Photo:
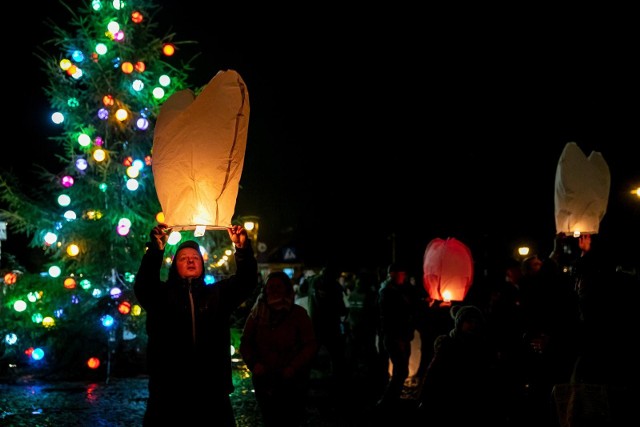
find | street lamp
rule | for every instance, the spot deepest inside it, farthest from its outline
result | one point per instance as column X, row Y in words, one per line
column 252, row 225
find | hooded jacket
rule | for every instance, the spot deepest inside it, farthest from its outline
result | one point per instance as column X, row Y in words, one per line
column 188, row 328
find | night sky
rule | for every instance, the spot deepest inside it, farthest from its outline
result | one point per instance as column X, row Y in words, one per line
column 365, row 126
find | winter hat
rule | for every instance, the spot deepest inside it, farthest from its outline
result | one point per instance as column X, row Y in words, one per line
column 278, row 290
column 463, row 313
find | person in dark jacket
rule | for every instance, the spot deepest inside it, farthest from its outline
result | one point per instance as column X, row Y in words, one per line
column 398, row 305
column 278, row 345
column 188, row 328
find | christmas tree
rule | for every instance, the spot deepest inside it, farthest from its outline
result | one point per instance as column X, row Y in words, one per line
column 108, row 76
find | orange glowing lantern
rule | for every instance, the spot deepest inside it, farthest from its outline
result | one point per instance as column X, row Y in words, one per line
column 447, row 269
column 70, row 283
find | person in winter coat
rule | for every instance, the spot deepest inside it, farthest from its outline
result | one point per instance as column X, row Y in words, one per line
column 398, row 304
column 188, row 328
column 278, row 344
column 461, row 385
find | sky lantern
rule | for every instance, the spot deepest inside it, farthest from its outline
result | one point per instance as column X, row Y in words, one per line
column 447, row 269
column 198, row 153
column 581, row 191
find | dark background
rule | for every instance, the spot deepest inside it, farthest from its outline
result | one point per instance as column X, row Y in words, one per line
column 373, row 131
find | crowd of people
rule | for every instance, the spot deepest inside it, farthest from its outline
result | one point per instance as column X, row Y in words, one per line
column 547, row 344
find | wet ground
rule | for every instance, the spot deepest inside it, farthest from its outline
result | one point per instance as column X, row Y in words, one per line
column 32, row 402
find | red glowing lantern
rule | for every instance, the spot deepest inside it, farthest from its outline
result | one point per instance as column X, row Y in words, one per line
column 447, row 269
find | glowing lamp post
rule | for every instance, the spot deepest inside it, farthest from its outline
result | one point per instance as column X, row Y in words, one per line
column 252, row 225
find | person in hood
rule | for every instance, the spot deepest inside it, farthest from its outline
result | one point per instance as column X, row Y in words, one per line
column 188, row 329
column 279, row 345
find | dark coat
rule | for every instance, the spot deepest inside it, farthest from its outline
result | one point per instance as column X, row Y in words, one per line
column 188, row 328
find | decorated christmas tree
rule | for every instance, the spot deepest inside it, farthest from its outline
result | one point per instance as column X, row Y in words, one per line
column 108, row 74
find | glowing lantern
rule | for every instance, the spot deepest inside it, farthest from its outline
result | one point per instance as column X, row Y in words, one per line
column 93, row 363
column 199, row 145
column 581, row 191
column 447, row 269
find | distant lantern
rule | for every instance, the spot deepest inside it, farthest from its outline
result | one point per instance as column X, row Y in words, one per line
column 581, row 191
column 447, row 269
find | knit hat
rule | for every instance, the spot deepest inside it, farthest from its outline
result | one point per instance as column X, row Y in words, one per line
column 463, row 313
